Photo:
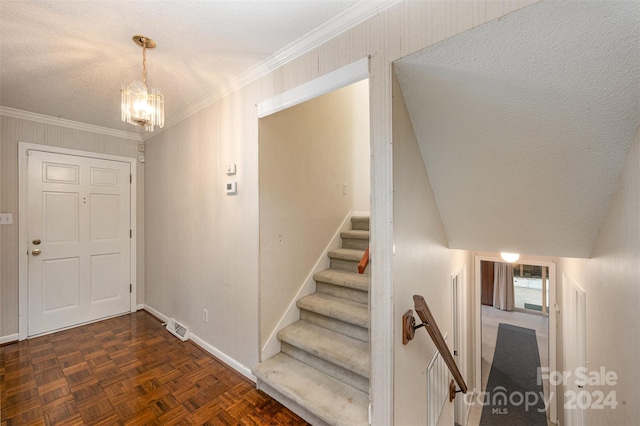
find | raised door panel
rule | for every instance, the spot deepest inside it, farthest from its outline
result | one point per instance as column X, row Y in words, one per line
column 105, row 276
column 60, row 217
column 60, row 284
column 105, row 216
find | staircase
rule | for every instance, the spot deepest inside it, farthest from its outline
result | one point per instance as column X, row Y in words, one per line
column 322, row 371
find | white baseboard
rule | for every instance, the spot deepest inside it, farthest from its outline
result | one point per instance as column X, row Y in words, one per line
column 140, row 307
column 208, row 347
column 292, row 313
column 9, row 338
column 223, row 357
column 156, row 313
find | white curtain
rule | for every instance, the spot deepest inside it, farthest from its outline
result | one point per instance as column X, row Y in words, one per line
column 503, row 297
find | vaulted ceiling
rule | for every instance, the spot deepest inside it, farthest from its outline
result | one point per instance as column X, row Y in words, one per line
column 68, row 59
column 524, row 124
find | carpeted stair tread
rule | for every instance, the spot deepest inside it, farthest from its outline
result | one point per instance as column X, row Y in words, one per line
column 360, row 222
column 329, row 399
column 335, row 307
column 346, row 254
column 329, row 345
column 343, row 278
column 355, row 234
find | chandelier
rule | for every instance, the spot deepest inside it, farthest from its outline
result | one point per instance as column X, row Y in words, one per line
column 139, row 107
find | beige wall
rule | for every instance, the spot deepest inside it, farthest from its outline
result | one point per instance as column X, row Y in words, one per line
column 14, row 130
column 202, row 246
column 611, row 280
column 422, row 265
column 307, row 152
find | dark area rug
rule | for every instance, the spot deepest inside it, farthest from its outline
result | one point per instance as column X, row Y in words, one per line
column 513, row 395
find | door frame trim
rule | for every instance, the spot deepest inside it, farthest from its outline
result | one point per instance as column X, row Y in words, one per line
column 459, row 322
column 23, row 229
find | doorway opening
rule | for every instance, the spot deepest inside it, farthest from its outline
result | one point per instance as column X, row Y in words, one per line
column 519, row 330
column 314, row 172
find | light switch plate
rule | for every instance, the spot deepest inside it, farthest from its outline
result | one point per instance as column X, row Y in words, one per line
column 230, row 169
column 6, row 218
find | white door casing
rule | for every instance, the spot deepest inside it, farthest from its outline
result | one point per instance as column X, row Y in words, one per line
column 82, row 209
column 459, row 340
column 574, row 336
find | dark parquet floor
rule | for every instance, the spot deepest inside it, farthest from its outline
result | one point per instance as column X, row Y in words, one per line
column 126, row 371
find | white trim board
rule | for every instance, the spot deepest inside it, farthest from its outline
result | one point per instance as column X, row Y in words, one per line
column 46, row 119
column 329, row 82
column 232, row 363
column 9, row 338
column 23, row 231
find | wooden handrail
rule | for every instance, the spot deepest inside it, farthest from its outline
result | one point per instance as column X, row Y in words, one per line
column 362, row 265
column 430, row 324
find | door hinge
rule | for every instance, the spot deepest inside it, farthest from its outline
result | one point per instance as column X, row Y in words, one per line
column 130, row 233
column 130, row 288
column 130, row 178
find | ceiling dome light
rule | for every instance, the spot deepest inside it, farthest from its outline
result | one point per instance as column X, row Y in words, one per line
column 139, row 107
column 510, row 257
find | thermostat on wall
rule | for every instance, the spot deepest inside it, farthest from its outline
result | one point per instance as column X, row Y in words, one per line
column 232, row 188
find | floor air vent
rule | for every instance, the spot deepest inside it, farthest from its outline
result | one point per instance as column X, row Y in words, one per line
column 177, row 329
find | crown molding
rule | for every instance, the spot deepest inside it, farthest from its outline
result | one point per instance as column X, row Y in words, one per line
column 47, row 119
column 350, row 18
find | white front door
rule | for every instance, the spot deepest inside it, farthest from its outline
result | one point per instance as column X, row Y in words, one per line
column 79, row 240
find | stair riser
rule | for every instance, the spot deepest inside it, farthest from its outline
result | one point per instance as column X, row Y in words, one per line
column 346, row 265
column 337, row 372
column 345, row 328
column 343, row 292
column 359, row 224
column 352, row 243
column 346, row 280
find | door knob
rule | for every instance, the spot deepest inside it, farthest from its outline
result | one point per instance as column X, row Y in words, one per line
column 36, row 242
column 36, row 252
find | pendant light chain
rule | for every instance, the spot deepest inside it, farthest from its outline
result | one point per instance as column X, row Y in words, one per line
column 144, row 62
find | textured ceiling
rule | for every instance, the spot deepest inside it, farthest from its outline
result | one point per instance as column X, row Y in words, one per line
column 68, row 59
column 524, row 124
